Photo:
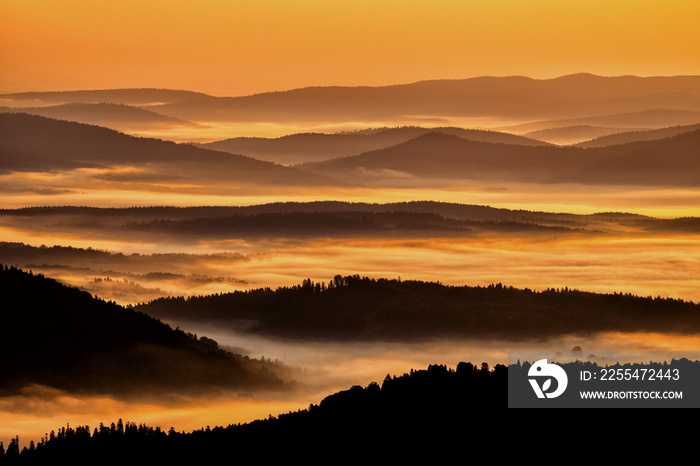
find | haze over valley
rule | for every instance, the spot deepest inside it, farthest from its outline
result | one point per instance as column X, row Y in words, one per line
column 213, row 214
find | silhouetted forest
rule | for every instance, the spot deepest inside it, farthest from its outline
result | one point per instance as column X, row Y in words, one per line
column 65, row 338
column 333, row 219
column 121, row 215
column 437, row 404
column 337, row 224
column 354, row 308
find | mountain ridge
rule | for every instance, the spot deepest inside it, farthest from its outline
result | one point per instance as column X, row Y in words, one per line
column 36, row 143
column 442, row 156
column 483, row 96
column 299, row 148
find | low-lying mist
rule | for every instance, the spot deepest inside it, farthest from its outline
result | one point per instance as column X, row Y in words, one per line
column 645, row 265
column 320, row 369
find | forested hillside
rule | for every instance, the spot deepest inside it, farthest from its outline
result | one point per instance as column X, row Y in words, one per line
column 363, row 309
column 66, row 339
column 437, row 404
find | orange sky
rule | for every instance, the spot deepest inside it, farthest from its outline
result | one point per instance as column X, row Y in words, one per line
column 246, row 46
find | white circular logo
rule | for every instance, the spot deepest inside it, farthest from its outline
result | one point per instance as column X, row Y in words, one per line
column 546, row 372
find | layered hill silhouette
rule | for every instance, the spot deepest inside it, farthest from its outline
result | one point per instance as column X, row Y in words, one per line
column 645, row 119
column 635, row 136
column 310, row 147
column 145, row 96
column 323, row 219
column 66, row 339
column 518, row 97
column 115, row 116
column 670, row 161
column 571, row 134
column 35, row 143
column 351, row 224
column 357, row 309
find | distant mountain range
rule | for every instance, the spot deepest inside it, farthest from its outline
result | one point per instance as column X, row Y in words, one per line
column 35, row 143
column 573, row 96
column 572, row 108
column 515, row 97
column 144, row 96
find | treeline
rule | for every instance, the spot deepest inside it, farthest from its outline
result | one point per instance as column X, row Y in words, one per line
column 305, row 217
column 336, row 223
column 437, row 403
column 65, row 338
column 310, row 223
column 354, row 308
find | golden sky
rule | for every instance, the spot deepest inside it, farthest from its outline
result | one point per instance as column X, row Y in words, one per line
column 246, row 46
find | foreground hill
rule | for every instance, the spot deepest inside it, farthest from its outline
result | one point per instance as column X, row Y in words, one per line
column 362, row 309
column 311, row 147
column 425, row 406
column 434, row 156
column 35, row 143
column 66, row 339
column 115, row 116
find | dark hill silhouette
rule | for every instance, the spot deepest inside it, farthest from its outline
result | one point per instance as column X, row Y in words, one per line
column 309, row 147
column 115, row 116
column 635, row 136
column 510, row 97
column 334, row 224
column 445, row 209
column 361, row 309
column 325, row 219
column 65, row 338
column 35, row 143
column 669, row 161
column 422, row 409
